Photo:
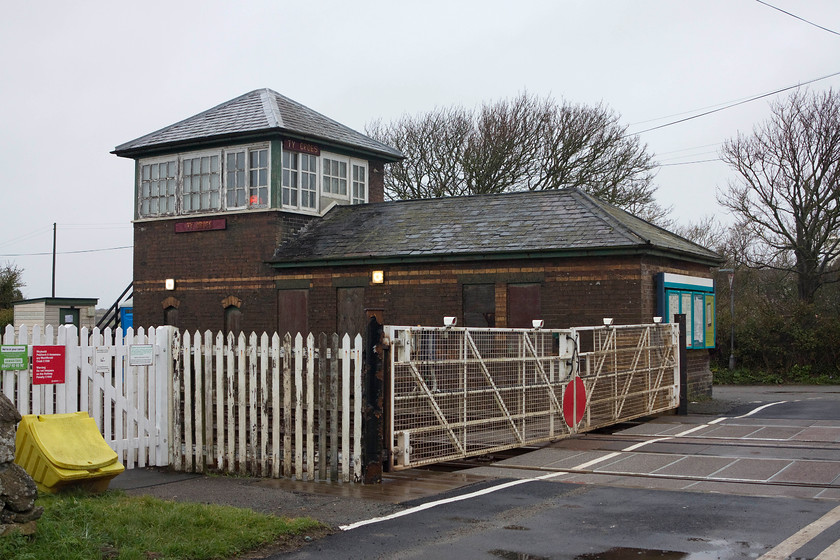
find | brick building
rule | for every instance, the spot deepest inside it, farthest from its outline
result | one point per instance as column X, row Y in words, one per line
column 217, row 192
column 490, row 261
column 263, row 215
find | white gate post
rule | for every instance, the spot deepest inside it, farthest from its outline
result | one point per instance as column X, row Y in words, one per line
column 164, row 372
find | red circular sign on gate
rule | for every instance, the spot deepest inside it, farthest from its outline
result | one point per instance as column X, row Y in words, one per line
column 574, row 402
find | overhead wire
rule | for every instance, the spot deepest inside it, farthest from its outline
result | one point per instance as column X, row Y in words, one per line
column 735, row 104
column 67, row 252
column 797, row 17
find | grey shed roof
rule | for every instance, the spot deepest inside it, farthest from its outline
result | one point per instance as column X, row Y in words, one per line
column 516, row 225
column 258, row 112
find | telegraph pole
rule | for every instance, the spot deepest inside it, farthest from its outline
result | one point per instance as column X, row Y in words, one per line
column 53, row 266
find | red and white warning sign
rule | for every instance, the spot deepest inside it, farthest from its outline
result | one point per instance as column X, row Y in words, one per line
column 574, row 402
column 47, row 365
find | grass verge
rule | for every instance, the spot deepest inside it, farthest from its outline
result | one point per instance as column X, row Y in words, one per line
column 78, row 526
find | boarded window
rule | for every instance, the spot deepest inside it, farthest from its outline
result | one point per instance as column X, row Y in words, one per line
column 524, row 305
column 170, row 316
column 233, row 319
column 479, row 305
column 350, row 311
column 292, row 306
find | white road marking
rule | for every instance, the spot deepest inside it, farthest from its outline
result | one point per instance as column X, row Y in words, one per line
column 491, row 489
column 796, row 541
column 759, row 409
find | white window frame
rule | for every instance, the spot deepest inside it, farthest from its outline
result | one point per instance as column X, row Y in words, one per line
column 220, row 189
column 296, row 188
column 328, row 178
column 361, row 164
column 350, row 194
column 247, row 150
column 140, row 198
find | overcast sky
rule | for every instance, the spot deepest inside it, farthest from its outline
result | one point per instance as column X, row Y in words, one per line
column 79, row 78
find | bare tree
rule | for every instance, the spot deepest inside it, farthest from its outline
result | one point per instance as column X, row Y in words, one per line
column 525, row 143
column 787, row 195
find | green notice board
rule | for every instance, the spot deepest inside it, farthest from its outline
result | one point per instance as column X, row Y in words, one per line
column 694, row 297
column 14, row 357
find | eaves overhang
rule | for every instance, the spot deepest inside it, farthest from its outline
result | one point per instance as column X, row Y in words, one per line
column 367, row 260
column 246, row 137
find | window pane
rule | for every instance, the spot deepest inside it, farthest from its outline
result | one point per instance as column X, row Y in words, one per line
column 263, row 158
column 214, row 164
column 263, row 177
column 147, row 173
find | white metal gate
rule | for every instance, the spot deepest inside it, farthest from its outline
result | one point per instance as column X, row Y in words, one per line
column 461, row 392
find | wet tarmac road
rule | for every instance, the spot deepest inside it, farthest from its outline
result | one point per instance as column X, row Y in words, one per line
column 757, row 481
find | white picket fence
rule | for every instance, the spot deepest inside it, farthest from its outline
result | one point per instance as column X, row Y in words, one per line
column 130, row 404
column 266, row 407
column 269, row 407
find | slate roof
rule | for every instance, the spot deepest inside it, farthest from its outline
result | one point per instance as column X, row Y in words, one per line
column 261, row 111
column 524, row 224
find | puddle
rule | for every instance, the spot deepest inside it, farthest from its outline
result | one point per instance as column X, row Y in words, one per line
column 634, row 554
column 516, row 528
column 511, row 555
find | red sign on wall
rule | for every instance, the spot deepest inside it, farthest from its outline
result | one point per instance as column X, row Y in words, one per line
column 201, row 225
column 47, row 365
column 304, row 147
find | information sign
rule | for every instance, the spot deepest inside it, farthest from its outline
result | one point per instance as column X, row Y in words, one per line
column 14, row 357
column 141, row 354
column 47, row 365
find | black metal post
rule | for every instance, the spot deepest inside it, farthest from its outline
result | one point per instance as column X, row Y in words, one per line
column 373, row 398
column 682, row 408
column 53, row 263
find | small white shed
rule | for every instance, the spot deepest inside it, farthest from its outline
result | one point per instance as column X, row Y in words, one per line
column 56, row 311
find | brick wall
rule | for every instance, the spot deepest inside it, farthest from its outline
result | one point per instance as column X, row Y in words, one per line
column 376, row 181
column 208, row 267
column 574, row 292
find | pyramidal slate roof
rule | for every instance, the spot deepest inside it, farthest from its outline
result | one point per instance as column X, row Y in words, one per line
column 522, row 225
column 260, row 111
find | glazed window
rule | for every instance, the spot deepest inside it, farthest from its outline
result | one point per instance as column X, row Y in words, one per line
column 201, row 183
column 157, row 188
column 334, row 176
column 300, row 176
column 246, row 178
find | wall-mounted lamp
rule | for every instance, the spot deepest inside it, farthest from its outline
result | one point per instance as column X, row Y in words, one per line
column 608, row 321
column 657, row 320
column 449, row 321
column 537, row 323
column 377, row 277
column 170, row 283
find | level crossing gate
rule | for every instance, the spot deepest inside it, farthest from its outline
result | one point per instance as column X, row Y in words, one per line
column 462, row 392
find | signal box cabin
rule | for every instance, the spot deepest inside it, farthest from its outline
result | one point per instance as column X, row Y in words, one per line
column 263, row 215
